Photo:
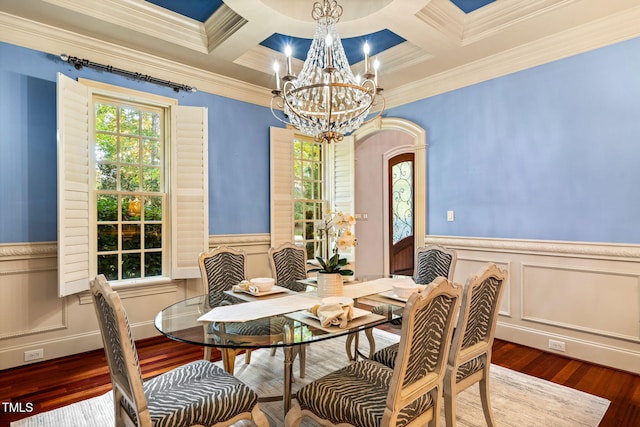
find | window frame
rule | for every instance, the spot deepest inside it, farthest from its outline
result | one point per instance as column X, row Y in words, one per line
column 165, row 222
column 338, row 187
column 320, row 204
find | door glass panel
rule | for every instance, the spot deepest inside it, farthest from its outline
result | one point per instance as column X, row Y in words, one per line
column 402, row 200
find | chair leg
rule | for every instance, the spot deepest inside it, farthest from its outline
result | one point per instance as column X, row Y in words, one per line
column 485, row 398
column 247, row 357
column 449, row 397
column 258, row 417
column 229, row 359
column 293, row 417
column 207, row 353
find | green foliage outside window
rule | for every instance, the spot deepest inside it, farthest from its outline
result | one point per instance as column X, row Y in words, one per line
column 308, row 172
column 130, row 196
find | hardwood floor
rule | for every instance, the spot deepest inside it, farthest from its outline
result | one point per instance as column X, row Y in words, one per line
column 52, row 384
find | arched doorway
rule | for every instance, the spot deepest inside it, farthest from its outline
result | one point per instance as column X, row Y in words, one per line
column 372, row 229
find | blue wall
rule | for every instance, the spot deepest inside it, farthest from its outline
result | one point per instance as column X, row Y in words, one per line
column 238, row 149
column 547, row 153
column 551, row 153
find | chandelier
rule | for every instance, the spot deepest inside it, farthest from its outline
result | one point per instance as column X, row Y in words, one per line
column 326, row 100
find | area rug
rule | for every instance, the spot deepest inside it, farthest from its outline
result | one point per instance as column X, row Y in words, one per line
column 518, row 400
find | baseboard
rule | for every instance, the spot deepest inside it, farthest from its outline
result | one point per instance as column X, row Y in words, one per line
column 61, row 347
column 588, row 351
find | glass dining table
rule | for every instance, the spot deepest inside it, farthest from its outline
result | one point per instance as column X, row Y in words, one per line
column 191, row 321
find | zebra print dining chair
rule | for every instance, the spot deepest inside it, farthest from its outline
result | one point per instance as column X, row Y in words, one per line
column 369, row 394
column 196, row 394
column 433, row 261
column 429, row 262
column 288, row 265
column 222, row 268
column 470, row 356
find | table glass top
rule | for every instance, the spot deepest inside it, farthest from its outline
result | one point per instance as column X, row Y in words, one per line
column 180, row 320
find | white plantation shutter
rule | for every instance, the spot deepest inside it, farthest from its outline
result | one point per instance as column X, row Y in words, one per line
column 343, row 176
column 281, row 185
column 189, row 190
column 344, row 182
column 74, row 207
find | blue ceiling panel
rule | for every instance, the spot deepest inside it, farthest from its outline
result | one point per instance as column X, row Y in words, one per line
column 200, row 10
column 378, row 42
column 468, row 6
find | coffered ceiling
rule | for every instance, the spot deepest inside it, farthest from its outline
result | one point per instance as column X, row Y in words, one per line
column 424, row 46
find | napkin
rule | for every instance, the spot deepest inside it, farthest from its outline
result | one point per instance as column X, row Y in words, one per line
column 335, row 315
column 245, row 286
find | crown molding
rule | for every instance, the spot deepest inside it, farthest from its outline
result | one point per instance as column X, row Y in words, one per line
column 445, row 17
column 486, row 22
column 158, row 22
column 597, row 34
column 222, row 25
column 53, row 40
column 402, row 56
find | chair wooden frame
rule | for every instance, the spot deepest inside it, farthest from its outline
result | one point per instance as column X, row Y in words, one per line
column 131, row 407
column 412, row 378
column 469, row 360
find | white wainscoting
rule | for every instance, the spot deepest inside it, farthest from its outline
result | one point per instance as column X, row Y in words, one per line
column 32, row 316
column 586, row 296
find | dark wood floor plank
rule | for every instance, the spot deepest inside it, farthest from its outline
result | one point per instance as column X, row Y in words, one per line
column 53, row 384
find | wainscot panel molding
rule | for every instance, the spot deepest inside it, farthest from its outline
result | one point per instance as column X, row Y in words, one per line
column 586, row 296
column 32, row 316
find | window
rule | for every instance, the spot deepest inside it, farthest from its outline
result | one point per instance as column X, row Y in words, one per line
column 306, row 178
column 132, row 185
column 309, row 195
column 130, row 193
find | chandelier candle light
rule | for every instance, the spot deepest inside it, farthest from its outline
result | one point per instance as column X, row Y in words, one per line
column 326, row 100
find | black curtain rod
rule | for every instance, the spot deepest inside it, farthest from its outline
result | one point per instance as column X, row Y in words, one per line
column 80, row 63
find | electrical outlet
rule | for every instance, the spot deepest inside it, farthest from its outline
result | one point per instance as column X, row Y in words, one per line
column 556, row 345
column 33, row 355
column 450, row 216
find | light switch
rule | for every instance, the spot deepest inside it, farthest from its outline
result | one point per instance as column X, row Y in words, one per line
column 449, row 216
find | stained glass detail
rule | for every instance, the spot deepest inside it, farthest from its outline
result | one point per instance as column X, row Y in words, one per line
column 402, row 200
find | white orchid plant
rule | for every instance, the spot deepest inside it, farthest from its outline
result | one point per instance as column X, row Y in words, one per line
column 336, row 226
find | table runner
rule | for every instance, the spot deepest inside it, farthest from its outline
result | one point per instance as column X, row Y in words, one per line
column 363, row 289
column 258, row 309
column 287, row 304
